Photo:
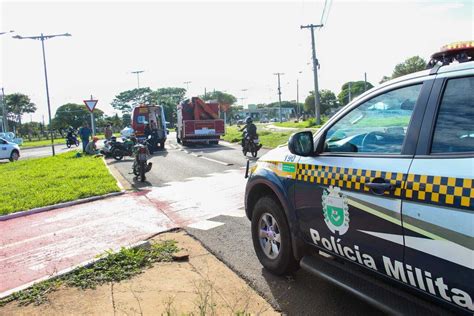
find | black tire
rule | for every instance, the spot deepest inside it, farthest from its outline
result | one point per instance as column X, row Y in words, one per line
column 117, row 155
column 162, row 145
column 253, row 150
column 14, row 156
column 68, row 144
column 284, row 263
column 141, row 170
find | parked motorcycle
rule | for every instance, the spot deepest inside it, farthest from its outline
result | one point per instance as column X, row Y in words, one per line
column 71, row 140
column 251, row 145
column 107, row 149
column 118, row 149
column 140, row 165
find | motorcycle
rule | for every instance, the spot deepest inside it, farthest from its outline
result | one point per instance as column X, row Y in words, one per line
column 251, row 145
column 118, row 149
column 71, row 140
column 107, row 149
column 140, row 165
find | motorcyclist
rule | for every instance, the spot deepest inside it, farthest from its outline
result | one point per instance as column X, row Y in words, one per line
column 249, row 131
column 71, row 134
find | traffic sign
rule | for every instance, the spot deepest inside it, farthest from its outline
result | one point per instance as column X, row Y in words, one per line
column 90, row 104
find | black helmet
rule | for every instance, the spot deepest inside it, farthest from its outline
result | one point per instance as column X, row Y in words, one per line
column 248, row 120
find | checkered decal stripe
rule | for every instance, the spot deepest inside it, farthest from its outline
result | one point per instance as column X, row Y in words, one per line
column 438, row 190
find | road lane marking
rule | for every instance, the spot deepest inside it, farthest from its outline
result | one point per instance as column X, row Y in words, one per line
column 205, row 225
column 217, row 161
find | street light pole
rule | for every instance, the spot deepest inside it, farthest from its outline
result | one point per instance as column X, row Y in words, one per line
column 4, row 113
column 47, row 94
column 42, row 38
column 138, row 72
column 4, row 104
column 279, row 91
column 187, row 86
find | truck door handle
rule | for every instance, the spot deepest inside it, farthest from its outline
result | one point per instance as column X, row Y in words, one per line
column 379, row 186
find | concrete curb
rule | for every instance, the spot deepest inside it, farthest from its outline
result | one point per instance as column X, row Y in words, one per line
column 60, row 205
column 142, row 243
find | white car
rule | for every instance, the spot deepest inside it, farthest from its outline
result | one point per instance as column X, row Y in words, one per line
column 9, row 150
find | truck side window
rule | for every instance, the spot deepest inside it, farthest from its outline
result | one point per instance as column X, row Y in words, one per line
column 454, row 129
column 376, row 126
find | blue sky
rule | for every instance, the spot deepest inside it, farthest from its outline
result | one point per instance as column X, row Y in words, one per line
column 226, row 45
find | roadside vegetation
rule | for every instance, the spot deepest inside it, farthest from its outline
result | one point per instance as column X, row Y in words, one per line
column 301, row 124
column 267, row 138
column 112, row 267
column 47, row 142
column 31, row 183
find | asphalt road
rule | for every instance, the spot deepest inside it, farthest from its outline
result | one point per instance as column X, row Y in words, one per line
column 36, row 152
column 230, row 241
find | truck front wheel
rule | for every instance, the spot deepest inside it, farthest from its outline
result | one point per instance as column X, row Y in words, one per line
column 272, row 238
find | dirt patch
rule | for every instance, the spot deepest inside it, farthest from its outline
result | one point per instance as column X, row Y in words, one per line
column 201, row 285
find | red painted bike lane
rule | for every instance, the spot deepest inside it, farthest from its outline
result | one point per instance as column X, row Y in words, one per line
column 44, row 244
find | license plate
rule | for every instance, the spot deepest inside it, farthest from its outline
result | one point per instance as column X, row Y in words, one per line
column 141, row 157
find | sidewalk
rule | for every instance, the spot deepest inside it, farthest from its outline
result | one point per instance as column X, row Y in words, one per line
column 201, row 284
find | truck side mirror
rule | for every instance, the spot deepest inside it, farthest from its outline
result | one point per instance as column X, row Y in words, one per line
column 301, row 144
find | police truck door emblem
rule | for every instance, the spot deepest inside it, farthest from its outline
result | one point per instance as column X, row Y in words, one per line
column 335, row 210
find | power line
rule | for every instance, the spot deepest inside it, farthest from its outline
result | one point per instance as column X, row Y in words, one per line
column 329, row 11
column 324, row 10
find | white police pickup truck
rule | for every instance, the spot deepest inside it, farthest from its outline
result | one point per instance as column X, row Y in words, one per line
column 385, row 189
column 9, row 150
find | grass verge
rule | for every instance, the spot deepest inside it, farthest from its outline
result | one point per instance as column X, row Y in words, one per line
column 268, row 139
column 32, row 183
column 112, row 267
column 301, row 124
column 60, row 141
column 43, row 142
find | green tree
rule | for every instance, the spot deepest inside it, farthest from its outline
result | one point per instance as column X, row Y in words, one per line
column 410, row 65
column 18, row 104
column 327, row 100
column 357, row 88
column 125, row 101
column 169, row 98
column 126, row 119
column 220, row 97
column 74, row 115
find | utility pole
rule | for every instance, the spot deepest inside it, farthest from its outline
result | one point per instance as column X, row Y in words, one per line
column 43, row 38
column 350, row 96
column 317, row 107
column 138, row 72
column 365, row 81
column 279, row 90
column 187, row 86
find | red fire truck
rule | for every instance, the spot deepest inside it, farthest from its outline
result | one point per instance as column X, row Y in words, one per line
column 199, row 122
